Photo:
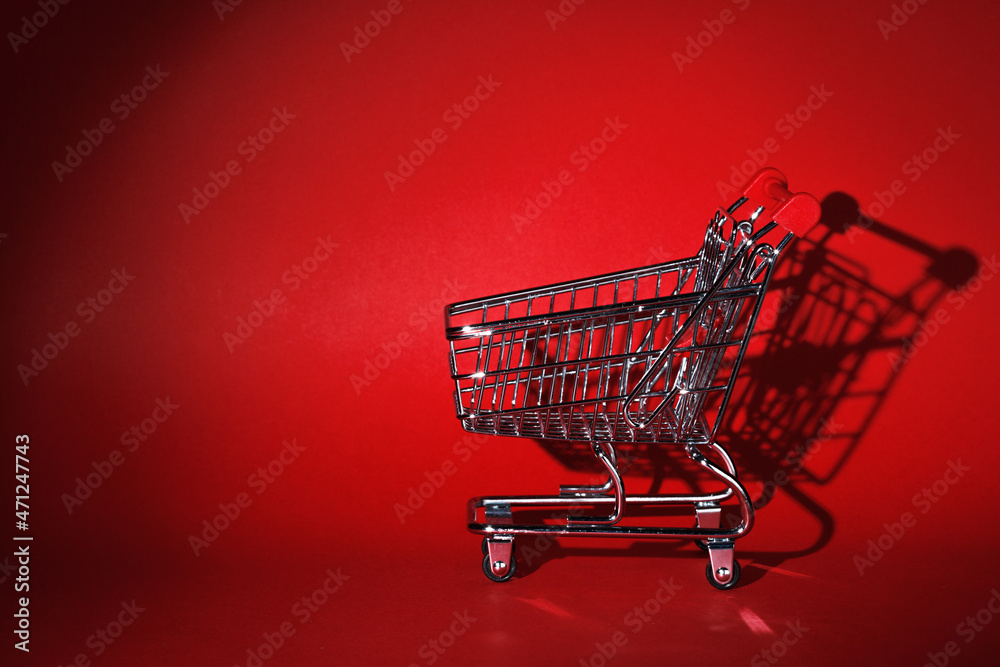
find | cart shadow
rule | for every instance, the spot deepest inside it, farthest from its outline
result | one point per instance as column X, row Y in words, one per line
column 831, row 342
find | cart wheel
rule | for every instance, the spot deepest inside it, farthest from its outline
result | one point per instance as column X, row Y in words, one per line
column 729, row 584
column 499, row 578
column 486, row 546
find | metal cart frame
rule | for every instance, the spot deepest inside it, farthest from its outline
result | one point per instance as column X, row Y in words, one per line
column 642, row 356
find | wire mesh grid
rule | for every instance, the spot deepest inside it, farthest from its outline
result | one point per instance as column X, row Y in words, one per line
column 624, row 357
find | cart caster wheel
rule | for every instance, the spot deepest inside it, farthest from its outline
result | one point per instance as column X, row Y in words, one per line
column 486, row 546
column 732, row 580
column 499, row 574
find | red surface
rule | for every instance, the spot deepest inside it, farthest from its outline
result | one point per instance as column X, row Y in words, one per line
column 446, row 232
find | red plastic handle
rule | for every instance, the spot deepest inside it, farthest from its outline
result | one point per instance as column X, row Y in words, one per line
column 798, row 213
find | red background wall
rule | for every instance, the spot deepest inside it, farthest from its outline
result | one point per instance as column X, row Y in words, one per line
column 447, row 232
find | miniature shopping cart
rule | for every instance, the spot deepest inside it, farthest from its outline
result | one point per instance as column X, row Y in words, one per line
column 642, row 357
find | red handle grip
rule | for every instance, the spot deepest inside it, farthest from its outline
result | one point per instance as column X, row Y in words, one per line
column 798, row 212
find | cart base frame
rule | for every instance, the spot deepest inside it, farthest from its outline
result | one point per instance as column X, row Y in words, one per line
column 499, row 530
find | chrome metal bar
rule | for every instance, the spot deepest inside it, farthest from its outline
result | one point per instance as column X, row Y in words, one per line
column 473, row 305
column 601, row 451
column 597, row 530
column 745, row 504
column 589, row 490
column 630, row 500
column 689, row 322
